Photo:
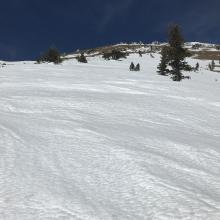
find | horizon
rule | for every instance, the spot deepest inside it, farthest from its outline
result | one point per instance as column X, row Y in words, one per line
column 107, row 45
column 81, row 25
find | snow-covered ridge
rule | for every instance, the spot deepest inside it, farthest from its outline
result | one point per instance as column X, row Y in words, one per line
column 195, row 47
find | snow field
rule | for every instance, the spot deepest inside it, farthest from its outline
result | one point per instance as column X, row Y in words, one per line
column 96, row 141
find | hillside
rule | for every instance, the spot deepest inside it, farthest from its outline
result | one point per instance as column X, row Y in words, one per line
column 96, row 141
column 201, row 51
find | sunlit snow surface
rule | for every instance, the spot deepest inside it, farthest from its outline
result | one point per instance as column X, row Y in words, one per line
column 95, row 141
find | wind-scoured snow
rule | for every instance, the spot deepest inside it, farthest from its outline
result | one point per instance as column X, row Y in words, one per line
column 96, row 141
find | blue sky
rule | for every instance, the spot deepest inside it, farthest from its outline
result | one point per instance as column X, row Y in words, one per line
column 29, row 27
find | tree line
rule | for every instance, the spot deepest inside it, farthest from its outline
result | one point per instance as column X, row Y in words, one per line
column 172, row 62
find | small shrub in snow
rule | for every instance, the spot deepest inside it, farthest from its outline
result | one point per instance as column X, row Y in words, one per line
column 188, row 68
column 212, row 65
column 151, row 55
column 140, row 53
column 82, row 58
column 196, row 46
column 197, row 67
column 217, row 47
column 186, row 77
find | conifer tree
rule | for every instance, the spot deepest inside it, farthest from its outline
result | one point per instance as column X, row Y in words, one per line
column 197, row 67
column 137, row 68
column 162, row 67
column 176, row 53
column 132, row 66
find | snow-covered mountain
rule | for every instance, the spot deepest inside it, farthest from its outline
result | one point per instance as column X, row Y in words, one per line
column 96, row 141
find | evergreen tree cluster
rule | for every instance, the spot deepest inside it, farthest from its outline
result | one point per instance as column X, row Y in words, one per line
column 52, row 55
column 134, row 68
column 196, row 46
column 114, row 55
column 173, row 56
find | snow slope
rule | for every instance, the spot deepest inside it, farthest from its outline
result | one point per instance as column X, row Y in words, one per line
column 95, row 141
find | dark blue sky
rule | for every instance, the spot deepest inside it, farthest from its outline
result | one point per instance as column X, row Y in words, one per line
column 29, row 27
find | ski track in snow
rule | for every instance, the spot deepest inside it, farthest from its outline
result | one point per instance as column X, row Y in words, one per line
column 95, row 141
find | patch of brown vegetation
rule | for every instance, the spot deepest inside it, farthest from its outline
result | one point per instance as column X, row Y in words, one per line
column 203, row 54
column 128, row 48
column 206, row 55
